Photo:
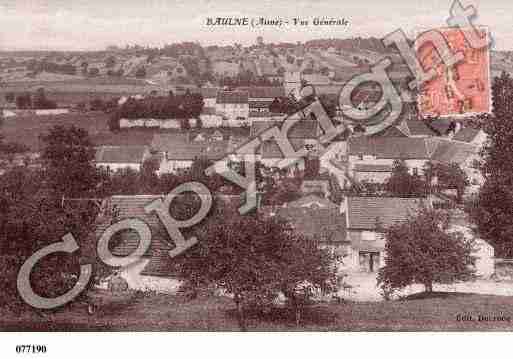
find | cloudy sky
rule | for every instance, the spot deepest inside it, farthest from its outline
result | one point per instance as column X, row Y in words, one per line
column 94, row 24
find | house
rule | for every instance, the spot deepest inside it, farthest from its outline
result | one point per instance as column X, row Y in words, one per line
column 316, row 79
column 471, row 135
column 233, row 106
column 144, row 274
column 178, row 153
column 408, row 128
column 312, row 201
column 312, row 216
column 155, row 270
column 365, row 219
column 465, row 155
column 270, row 155
column 316, row 186
column 372, row 158
column 113, row 158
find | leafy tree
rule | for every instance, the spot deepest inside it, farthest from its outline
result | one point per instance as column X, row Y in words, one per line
column 40, row 101
column 449, row 176
column 403, row 184
column 423, row 250
column 93, row 71
column 254, row 258
column 24, row 101
column 496, row 195
column 141, row 72
column 114, row 121
column 312, row 167
column 67, row 158
column 10, row 97
column 31, row 220
column 185, row 124
column 97, row 104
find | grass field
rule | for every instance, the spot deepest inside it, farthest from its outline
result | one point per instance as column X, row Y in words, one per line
column 172, row 313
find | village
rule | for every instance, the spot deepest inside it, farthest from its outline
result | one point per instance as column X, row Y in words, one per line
column 156, row 121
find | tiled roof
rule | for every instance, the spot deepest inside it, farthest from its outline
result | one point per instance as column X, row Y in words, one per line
column 466, row 134
column 305, row 129
column 259, row 104
column 441, row 125
column 269, row 92
column 312, row 200
column 259, row 114
column 125, row 242
column 120, row 154
column 212, row 150
column 323, row 224
column 361, row 167
column 316, row 79
column 271, row 150
column 389, row 147
column 363, row 211
column 232, row 97
column 133, row 207
column 448, row 151
column 209, row 92
column 419, row 128
column 167, row 141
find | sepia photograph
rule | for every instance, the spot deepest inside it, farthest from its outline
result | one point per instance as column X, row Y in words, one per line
column 316, row 167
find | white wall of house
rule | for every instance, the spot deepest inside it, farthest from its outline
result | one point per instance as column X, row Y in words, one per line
column 55, row 111
column 412, row 164
column 377, row 177
column 172, row 166
column 136, row 281
column 209, row 101
column 113, row 167
column 149, row 122
column 211, row 120
column 485, row 262
column 232, row 111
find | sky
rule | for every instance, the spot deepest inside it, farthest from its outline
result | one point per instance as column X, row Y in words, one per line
column 95, row 24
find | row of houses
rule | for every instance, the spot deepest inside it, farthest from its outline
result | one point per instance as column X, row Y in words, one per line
column 177, row 151
column 233, row 108
column 371, row 159
column 350, row 229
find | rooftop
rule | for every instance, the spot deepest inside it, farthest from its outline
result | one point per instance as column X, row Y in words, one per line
column 121, row 154
column 389, row 147
column 363, row 212
column 232, row 97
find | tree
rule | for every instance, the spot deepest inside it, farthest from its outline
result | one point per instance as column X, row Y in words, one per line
column 67, row 158
column 495, row 203
column 184, row 124
column 114, row 121
column 10, row 97
column 423, row 250
column 24, row 101
column 403, row 184
column 312, row 167
column 254, row 259
column 449, row 176
column 31, row 220
column 141, row 72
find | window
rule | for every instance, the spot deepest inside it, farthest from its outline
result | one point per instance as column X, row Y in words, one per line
column 415, row 171
column 360, row 156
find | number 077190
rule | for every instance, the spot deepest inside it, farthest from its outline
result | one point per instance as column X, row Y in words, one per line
column 30, row 349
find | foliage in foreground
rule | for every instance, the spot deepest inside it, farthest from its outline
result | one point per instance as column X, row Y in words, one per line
column 253, row 259
column 424, row 250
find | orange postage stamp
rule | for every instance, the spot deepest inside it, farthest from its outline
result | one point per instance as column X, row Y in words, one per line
column 462, row 89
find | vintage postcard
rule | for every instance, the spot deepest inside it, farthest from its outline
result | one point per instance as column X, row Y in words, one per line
column 273, row 166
